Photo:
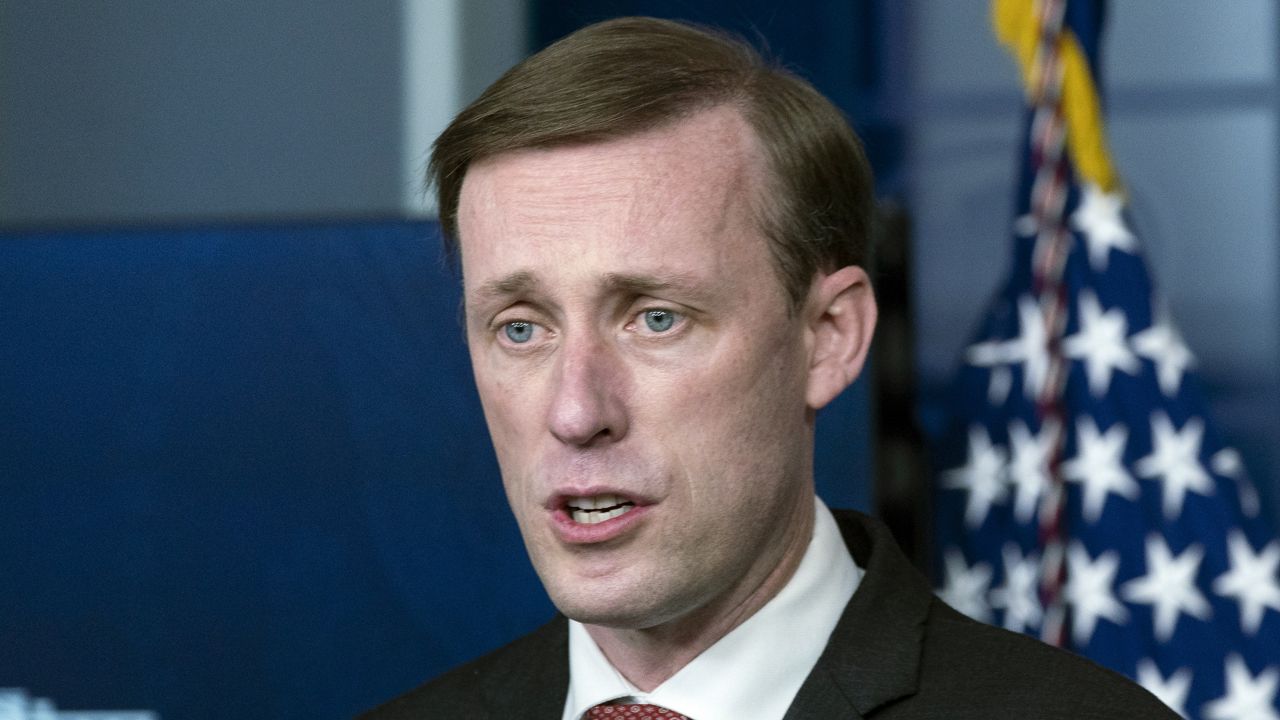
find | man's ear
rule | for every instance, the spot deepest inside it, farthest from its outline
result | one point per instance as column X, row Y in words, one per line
column 841, row 316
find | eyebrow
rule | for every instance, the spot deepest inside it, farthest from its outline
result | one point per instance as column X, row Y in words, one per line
column 516, row 283
column 647, row 284
column 524, row 282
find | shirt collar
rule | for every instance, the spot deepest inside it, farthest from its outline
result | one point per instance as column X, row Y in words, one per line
column 755, row 670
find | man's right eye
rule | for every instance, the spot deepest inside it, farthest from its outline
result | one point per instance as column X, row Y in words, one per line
column 518, row 331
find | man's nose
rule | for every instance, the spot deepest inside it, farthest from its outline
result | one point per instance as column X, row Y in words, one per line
column 588, row 406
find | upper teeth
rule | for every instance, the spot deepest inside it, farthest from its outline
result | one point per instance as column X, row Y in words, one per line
column 597, row 508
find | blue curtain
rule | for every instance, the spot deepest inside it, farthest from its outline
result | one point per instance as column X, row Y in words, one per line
column 244, row 472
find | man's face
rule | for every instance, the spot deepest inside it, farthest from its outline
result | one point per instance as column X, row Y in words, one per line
column 642, row 378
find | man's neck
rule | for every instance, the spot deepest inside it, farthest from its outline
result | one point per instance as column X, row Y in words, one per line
column 648, row 657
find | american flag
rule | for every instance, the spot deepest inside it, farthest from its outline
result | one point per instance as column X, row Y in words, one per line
column 1086, row 497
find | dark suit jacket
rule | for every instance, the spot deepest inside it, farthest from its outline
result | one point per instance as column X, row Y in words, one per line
column 898, row 652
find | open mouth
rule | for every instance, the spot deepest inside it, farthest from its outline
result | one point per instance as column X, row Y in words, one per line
column 597, row 508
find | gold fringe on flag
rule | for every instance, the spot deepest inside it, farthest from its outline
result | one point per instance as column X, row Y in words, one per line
column 1017, row 26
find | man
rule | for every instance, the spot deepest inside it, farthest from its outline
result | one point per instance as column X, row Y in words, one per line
column 663, row 242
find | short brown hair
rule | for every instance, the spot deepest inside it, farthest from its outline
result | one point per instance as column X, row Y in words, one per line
column 627, row 75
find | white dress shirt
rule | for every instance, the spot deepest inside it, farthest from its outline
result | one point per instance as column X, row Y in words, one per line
column 756, row 670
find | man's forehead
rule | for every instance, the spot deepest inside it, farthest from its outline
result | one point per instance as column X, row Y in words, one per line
column 712, row 144
column 699, row 169
column 717, row 132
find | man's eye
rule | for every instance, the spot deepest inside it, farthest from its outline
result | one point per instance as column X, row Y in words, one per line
column 518, row 331
column 660, row 321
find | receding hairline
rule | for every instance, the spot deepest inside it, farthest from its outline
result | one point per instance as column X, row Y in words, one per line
column 624, row 76
column 688, row 85
column 745, row 171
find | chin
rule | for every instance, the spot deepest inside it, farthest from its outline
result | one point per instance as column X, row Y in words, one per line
column 614, row 608
column 618, row 618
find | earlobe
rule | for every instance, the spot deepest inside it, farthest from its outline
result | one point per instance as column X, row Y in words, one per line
column 842, row 318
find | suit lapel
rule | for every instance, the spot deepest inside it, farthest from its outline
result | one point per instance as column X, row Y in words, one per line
column 873, row 655
column 535, row 680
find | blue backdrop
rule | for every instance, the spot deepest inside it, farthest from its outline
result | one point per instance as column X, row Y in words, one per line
column 244, row 473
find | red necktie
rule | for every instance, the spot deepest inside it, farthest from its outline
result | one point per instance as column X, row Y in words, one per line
column 632, row 712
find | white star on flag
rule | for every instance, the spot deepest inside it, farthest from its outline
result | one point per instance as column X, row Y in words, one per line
column 1248, row 697
column 1001, row 381
column 1088, row 591
column 1098, row 219
column 982, row 476
column 1175, row 458
column 966, row 587
column 1030, row 348
column 1029, row 466
column 993, row 354
column 1227, row 463
column 1169, row 586
column 1252, row 580
column 1163, row 346
column 1019, row 595
column 1171, row 691
column 1100, row 342
column 1099, row 466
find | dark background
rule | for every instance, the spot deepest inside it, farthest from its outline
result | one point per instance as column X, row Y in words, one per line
column 246, row 473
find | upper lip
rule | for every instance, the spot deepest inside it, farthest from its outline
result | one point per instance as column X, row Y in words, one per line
column 561, row 497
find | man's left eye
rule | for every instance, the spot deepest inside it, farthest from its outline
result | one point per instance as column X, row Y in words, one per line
column 660, row 321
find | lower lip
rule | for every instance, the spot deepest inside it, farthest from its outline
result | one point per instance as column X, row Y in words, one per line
column 576, row 533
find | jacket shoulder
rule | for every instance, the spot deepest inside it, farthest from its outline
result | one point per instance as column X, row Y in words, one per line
column 530, row 671
column 900, row 652
column 991, row 671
